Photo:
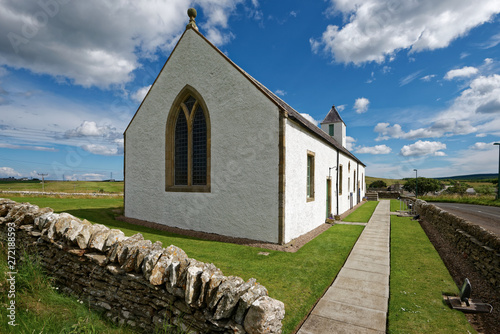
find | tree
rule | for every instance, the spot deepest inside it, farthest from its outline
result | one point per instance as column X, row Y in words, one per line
column 424, row 185
column 378, row 184
column 458, row 188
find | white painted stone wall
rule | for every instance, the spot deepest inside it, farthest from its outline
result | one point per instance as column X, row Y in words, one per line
column 339, row 131
column 243, row 201
column 302, row 216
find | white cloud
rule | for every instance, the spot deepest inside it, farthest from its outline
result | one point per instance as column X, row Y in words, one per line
column 140, row 94
column 310, row 118
column 340, row 108
column 100, row 42
column 409, row 78
column 482, row 146
column 280, row 92
column 350, row 143
column 361, row 105
column 376, row 30
column 439, row 128
column 464, row 72
column 428, row 77
column 421, row 148
column 100, row 149
column 377, row 149
column 91, row 129
column 9, row 172
column 28, row 147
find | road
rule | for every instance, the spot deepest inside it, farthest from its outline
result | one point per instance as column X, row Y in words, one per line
column 487, row 217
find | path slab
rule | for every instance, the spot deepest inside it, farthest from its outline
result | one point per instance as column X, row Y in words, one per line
column 357, row 301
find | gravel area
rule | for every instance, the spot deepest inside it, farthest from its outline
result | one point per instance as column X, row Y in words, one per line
column 461, row 267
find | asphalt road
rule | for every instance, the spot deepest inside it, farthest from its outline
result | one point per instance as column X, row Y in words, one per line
column 486, row 216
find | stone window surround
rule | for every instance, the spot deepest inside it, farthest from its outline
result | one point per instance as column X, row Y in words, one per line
column 170, row 144
column 310, row 176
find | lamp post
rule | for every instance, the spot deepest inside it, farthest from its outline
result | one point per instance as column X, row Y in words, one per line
column 498, row 184
column 416, row 184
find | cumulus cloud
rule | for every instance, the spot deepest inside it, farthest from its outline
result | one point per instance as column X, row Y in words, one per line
column 140, row 94
column 91, row 129
column 479, row 146
column 361, row 105
column 482, row 98
column 422, row 148
column 440, row 128
column 464, row 72
column 376, row 30
column 9, row 172
column 377, row 149
column 100, row 149
column 100, row 42
column 350, row 143
column 310, row 118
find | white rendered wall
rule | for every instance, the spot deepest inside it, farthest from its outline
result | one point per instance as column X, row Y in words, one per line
column 243, row 201
column 302, row 216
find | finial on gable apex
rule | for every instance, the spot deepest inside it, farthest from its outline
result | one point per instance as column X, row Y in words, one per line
column 192, row 15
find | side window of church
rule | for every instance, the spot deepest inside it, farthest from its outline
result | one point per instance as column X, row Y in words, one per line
column 310, row 176
column 340, row 179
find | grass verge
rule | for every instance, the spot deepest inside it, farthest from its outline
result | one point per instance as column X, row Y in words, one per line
column 397, row 205
column 363, row 213
column 418, row 280
column 472, row 199
column 297, row 279
column 38, row 305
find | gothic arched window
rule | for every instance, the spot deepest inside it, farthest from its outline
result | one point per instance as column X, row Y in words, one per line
column 188, row 144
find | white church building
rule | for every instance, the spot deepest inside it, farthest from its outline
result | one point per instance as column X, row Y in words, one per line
column 211, row 149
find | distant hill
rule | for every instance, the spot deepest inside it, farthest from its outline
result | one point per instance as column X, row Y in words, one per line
column 470, row 177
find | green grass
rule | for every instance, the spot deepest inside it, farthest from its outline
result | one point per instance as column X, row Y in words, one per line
column 297, row 279
column 41, row 309
column 398, row 205
column 418, row 280
column 467, row 199
column 363, row 213
column 66, row 186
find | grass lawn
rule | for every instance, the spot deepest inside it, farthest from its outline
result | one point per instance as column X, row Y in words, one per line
column 418, row 280
column 363, row 213
column 66, row 186
column 298, row 279
column 39, row 307
column 398, row 205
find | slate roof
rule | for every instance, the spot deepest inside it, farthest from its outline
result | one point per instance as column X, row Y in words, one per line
column 333, row 116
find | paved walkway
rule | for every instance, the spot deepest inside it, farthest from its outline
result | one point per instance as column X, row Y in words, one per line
column 357, row 300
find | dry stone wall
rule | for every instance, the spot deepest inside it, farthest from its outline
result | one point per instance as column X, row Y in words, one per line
column 136, row 282
column 470, row 239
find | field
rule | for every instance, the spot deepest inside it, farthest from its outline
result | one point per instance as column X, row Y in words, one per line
column 64, row 186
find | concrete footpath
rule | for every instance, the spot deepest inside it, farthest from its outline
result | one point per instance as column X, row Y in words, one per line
column 357, row 300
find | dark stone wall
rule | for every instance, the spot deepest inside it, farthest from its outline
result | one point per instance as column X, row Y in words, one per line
column 470, row 239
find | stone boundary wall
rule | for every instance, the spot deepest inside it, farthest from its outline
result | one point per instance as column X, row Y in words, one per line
column 136, row 282
column 385, row 194
column 470, row 239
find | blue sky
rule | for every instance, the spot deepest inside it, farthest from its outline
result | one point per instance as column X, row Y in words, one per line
column 417, row 83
